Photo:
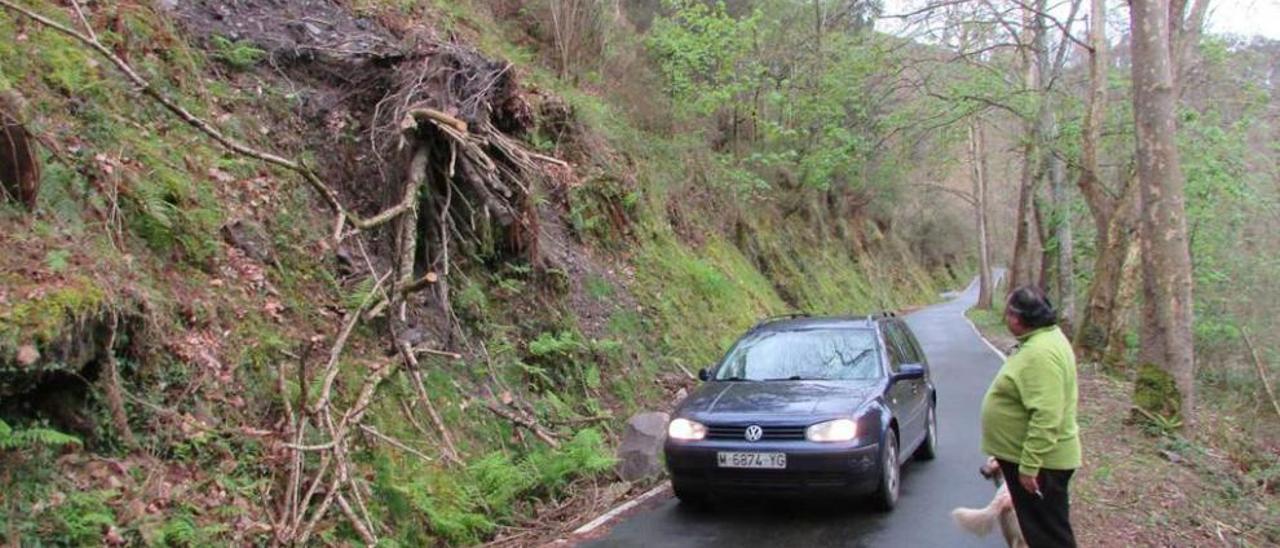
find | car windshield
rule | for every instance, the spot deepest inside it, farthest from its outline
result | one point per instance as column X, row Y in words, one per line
column 803, row 354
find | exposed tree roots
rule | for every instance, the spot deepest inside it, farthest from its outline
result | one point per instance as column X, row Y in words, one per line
column 459, row 182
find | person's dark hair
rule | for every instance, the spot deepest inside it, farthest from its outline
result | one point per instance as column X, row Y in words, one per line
column 1032, row 306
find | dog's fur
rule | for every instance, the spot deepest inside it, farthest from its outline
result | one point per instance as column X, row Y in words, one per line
column 1000, row 510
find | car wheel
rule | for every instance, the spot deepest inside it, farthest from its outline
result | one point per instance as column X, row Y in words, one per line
column 690, row 497
column 929, row 447
column 886, row 496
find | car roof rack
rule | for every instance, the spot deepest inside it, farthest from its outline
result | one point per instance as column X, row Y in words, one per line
column 780, row 317
column 881, row 315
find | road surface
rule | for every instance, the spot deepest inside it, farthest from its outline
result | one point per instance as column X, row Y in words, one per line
column 962, row 366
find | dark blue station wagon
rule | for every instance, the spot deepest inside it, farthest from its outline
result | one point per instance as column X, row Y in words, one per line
column 804, row 405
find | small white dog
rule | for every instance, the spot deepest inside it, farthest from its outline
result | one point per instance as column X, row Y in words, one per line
column 980, row 521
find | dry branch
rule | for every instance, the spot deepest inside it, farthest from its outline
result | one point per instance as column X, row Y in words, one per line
column 335, row 352
column 362, row 528
column 527, row 423
column 451, row 451
column 417, row 115
column 1262, row 372
column 434, row 352
column 394, row 442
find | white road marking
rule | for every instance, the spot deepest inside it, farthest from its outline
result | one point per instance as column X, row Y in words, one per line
column 607, row 516
column 999, row 275
column 984, row 339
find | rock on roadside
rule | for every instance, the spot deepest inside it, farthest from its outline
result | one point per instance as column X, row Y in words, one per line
column 640, row 454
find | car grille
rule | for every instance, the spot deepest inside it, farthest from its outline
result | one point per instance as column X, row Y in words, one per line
column 771, row 433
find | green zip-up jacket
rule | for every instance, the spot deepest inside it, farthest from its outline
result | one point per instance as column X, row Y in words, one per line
column 1029, row 413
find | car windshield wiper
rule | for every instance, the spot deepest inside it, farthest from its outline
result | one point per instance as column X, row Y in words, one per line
column 792, row 378
column 735, row 379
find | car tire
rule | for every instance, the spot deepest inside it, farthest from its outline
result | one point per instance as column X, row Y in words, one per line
column 690, row 497
column 886, row 496
column 928, row 449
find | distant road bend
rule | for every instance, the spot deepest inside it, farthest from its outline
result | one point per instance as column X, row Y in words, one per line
column 963, row 365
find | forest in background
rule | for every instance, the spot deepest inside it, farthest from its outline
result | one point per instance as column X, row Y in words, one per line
column 553, row 210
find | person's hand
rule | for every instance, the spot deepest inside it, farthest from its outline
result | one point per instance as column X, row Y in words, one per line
column 1031, row 484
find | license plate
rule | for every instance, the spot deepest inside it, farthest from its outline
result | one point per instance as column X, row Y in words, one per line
column 727, row 459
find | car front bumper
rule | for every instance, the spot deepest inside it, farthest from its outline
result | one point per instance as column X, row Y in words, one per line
column 812, row 468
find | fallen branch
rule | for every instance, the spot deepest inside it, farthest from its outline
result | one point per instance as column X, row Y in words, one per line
column 317, row 447
column 547, row 159
column 686, row 371
column 451, row 451
column 408, row 229
column 363, row 529
column 584, row 420
column 426, row 280
column 335, row 352
column 434, row 352
column 394, row 442
column 1262, row 372
column 417, row 115
column 305, row 533
column 529, row 424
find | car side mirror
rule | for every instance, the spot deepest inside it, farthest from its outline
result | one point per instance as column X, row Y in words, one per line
column 909, row 371
column 704, row 374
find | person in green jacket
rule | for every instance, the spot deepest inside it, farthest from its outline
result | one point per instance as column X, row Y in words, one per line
column 1029, row 420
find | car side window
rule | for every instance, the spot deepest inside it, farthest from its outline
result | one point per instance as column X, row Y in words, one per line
column 909, row 349
column 914, row 343
column 896, row 356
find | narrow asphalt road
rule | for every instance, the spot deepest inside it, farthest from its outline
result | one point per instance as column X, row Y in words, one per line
column 962, row 366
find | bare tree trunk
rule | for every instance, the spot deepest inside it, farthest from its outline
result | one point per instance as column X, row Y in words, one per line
column 1020, row 272
column 977, row 159
column 1090, row 182
column 1166, row 260
column 1054, row 222
column 1042, row 236
column 1066, row 286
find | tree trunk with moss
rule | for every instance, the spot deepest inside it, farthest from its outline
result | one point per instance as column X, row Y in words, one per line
column 1166, row 258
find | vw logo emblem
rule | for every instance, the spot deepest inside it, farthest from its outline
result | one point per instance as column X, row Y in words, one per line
column 754, row 433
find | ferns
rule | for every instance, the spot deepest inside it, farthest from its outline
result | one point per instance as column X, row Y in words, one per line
column 464, row 508
column 83, row 517
column 26, row 438
column 180, row 531
column 241, row 55
column 360, row 294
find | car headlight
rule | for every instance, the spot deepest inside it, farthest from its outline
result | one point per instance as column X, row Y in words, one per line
column 686, row 430
column 836, row 430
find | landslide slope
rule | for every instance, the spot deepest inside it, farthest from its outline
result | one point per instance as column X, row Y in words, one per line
column 191, row 352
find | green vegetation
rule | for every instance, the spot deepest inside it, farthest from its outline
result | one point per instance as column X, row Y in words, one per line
column 680, row 230
column 239, row 55
column 26, row 438
column 465, row 507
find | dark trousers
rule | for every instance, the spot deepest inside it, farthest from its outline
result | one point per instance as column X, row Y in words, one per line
column 1045, row 522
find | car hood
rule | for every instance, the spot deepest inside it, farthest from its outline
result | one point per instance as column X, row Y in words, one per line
column 727, row 400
